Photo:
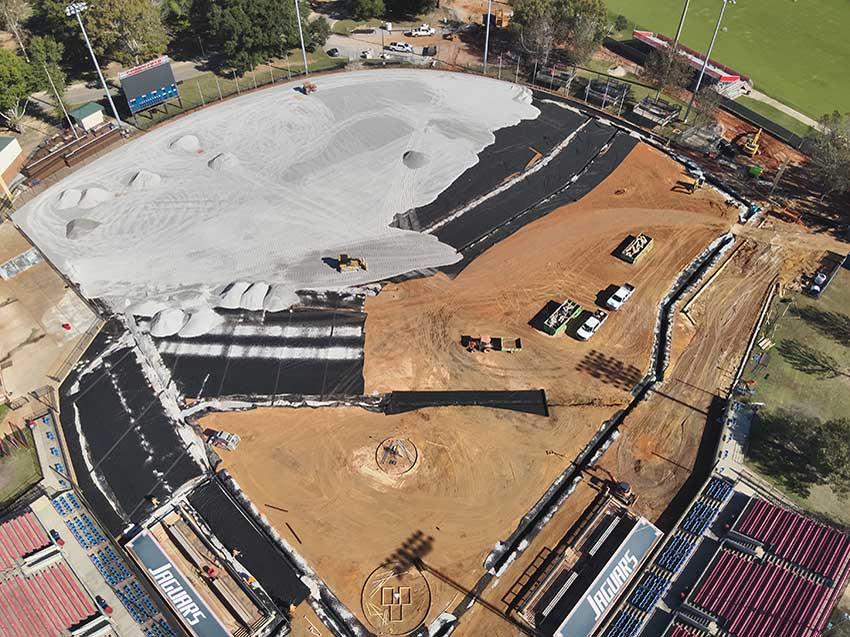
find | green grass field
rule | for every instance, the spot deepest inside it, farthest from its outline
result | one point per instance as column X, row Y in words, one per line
column 794, row 381
column 793, row 50
column 791, row 123
column 18, row 471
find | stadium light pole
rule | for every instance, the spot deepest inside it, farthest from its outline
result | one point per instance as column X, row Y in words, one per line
column 301, row 35
column 487, row 35
column 75, row 9
column 707, row 57
column 681, row 24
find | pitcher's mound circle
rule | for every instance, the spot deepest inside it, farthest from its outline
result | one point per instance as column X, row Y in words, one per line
column 396, row 599
column 396, row 456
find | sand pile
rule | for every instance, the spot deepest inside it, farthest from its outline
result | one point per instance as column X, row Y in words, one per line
column 93, row 197
column 199, row 323
column 146, row 308
column 77, row 228
column 253, row 297
column 230, row 297
column 69, row 199
column 413, row 159
column 301, row 193
column 145, row 180
column 167, row 322
column 224, row 161
column 187, row 144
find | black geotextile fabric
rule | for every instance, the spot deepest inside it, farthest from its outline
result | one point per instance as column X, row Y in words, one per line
column 530, row 401
column 212, row 377
column 595, row 173
column 480, row 221
column 509, row 154
column 236, row 531
column 132, row 442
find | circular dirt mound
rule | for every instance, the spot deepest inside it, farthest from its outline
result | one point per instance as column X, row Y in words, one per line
column 77, row 228
column 187, row 144
column 396, row 599
column 223, row 161
column 413, row 159
column 396, row 456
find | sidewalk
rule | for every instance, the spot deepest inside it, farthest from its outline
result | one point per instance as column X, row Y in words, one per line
column 766, row 99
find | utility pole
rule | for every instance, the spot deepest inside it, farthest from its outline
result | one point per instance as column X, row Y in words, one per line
column 301, row 35
column 59, row 99
column 76, row 9
column 487, row 35
column 707, row 57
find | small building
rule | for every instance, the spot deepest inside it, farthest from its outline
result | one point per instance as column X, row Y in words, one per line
column 88, row 115
column 11, row 159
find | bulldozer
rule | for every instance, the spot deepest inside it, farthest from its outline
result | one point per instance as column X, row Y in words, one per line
column 346, row 263
column 491, row 344
column 751, row 146
column 309, row 87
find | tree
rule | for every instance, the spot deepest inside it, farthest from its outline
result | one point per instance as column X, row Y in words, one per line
column 706, row 102
column 365, row 9
column 175, row 15
column 318, row 32
column 667, row 70
column 46, row 57
column 12, row 15
column 577, row 25
column 409, row 8
column 809, row 360
column 16, row 85
column 249, row 32
column 834, row 437
column 621, row 23
column 127, row 31
column 829, row 152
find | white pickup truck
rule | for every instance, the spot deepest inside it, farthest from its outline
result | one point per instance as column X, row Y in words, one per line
column 423, row 30
column 593, row 323
column 620, row 296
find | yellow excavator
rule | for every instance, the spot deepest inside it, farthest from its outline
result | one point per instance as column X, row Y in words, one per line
column 751, row 147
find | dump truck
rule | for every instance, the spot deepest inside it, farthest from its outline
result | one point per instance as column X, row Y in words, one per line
column 636, row 248
column 557, row 321
column 491, row 344
column 346, row 263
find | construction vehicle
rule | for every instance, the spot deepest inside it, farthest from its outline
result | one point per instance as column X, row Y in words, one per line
column 620, row 296
column 593, row 323
column 620, row 490
column 557, row 321
column 491, row 344
column 346, row 263
column 224, row 440
column 309, row 87
column 751, row 146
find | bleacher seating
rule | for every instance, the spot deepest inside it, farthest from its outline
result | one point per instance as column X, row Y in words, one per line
column 20, row 536
column 718, row 489
column 760, row 598
column 680, row 630
column 819, row 548
column 699, row 518
column 625, row 625
column 82, row 526
column 648, row 592
column 675, row 553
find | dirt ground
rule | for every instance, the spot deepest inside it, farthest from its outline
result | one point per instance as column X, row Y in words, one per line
column 413, row 329
column 34, row 305
column 477, row 470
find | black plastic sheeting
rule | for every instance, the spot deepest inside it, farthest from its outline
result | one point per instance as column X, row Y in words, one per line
column 135, row 450
column 530, row 401
column 478, row 222
column 594, row 173
column 213, row 377
column 257, row 553
column 509, row 154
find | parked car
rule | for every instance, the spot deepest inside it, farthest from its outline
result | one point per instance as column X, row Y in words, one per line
column 56, row 537
column 334, row 52
column 620, row 296
column 593, row 323
column 367, row 54
column 400, row 47
column 423, row 30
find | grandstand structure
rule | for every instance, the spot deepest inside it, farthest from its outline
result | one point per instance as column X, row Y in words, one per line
column 571, row 588
column 39, row 593
column 737, row 566
column 607, row 92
